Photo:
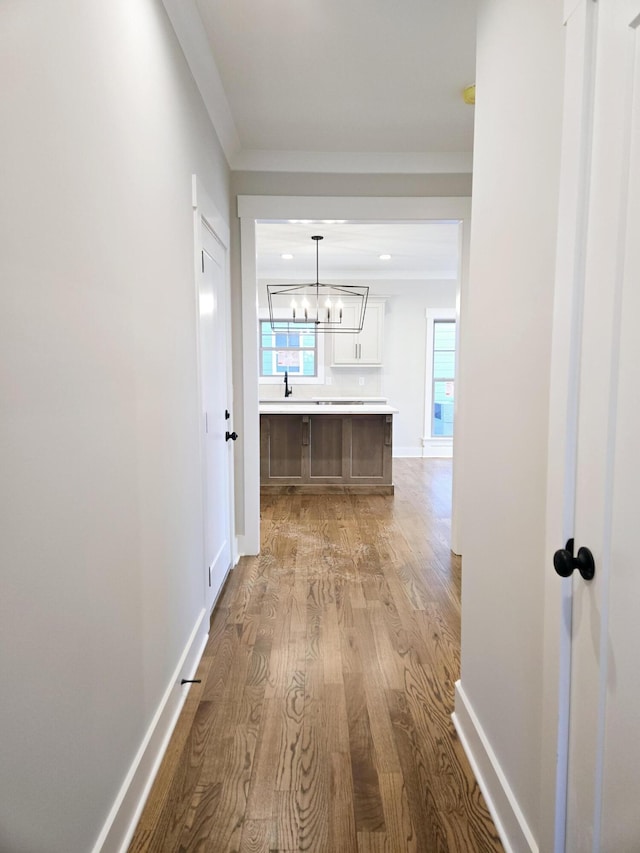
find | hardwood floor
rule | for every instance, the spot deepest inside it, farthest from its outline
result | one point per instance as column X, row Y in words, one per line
column 323, row 719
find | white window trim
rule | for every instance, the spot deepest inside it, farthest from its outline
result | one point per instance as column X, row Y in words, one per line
column 434, row 445
column 295, row 378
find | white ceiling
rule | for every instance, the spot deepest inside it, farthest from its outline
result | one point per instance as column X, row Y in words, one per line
column 341, row 76
column 350, row 251
column 339, row 85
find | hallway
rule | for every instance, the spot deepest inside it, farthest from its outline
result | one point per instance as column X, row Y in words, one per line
column 322, row 722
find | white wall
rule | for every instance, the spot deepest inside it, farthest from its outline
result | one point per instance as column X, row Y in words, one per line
column 402, row 377
column 506, row 350
column 101, row 490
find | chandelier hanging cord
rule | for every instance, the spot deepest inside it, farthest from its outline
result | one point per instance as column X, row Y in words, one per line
column 317, row 238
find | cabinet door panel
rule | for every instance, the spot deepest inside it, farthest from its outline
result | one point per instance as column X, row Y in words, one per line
column 282, row 451
column 370, row 338
column 326, row 446
column 361, row 348
column 344, row 348
column 344, row 343
column 367, row 446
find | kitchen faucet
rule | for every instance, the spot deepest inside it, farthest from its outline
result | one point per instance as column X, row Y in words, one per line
column 287, row 391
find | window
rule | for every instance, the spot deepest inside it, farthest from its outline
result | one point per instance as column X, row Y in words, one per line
column 443, row 377
column 294, row 349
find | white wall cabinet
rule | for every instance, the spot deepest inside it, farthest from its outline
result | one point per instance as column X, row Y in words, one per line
column 360, row 348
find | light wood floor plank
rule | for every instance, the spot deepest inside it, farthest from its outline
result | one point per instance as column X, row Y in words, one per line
column 323, row 721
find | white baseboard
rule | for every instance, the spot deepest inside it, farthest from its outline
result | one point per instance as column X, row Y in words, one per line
column 127, row 808
column 248, row 546
column 437, row 448
column 512, row 827
column 404, row 452
column 429, row 450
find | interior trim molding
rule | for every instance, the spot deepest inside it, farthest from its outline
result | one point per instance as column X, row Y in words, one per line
column 188, row 27
column 407, row 452
column 356, row 208
column 125, row 813
column 436, row 448
column 507, row 815
column 354, row 162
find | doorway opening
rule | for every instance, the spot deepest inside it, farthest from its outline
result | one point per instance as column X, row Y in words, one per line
column 256, row 211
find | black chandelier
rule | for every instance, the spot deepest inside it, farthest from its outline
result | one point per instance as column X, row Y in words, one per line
column 328, row 307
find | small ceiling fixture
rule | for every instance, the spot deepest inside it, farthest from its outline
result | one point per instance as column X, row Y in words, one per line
column 328, row 307
column 384, row 257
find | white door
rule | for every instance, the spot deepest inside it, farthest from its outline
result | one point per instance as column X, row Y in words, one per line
column 215, row 406
column 603, row 791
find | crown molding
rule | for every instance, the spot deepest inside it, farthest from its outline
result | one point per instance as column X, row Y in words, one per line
column 190, row 32
column 189, row 29
column 352, row 162
column 358, row 209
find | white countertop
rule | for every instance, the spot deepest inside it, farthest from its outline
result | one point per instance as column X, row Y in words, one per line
column 347, row 399
column 280, row 407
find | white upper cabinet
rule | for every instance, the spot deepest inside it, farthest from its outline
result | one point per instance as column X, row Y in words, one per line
column 360, row 348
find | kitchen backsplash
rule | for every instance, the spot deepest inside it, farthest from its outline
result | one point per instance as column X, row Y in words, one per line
column 344, row 383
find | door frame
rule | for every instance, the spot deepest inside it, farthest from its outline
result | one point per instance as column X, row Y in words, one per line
column 252, row 209
column 580, row 18
column 206, row 215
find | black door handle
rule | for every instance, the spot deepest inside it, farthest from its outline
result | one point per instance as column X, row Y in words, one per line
column 564, row 562
column 230, row 435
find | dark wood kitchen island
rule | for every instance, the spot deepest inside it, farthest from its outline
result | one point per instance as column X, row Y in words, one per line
column 315, row 449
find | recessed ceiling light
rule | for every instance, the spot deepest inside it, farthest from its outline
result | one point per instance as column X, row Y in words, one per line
column 286, row 256
column 385, row 257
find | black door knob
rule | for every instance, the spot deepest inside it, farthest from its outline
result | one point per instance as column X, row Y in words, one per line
column 230, row 435
column 564, row 562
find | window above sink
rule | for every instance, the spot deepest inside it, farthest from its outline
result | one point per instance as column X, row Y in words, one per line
column 299, row 352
